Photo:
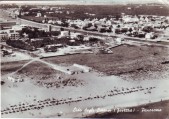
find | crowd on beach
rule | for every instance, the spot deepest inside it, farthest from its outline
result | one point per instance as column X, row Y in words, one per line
column 59, row 83
column 40, row 104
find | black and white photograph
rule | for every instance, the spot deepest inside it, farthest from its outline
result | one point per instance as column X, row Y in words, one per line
column 85, row 59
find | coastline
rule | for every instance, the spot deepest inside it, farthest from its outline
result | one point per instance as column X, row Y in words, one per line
column 157, row 109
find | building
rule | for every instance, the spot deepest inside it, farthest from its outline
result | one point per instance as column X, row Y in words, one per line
column 6, row 25
column 3, row 36
column 76, row 35
column 17, row 27
column 64, row 33
column 15, row 79
column 86, row 38
column 38, row 14
column 129, row 19
column 49, row 28
column 52, row 48
column 113, row 30
column 150, row 35
column 84, row 68
column 14, row 36
column 119, row 41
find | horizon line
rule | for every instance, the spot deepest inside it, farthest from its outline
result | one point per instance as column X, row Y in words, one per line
column 81, row 2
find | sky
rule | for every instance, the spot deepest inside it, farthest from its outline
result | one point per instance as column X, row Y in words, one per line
column 109, row 2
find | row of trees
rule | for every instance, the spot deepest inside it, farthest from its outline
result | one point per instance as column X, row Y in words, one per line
column 102, row 11
column 35, row 33
column 20, row 44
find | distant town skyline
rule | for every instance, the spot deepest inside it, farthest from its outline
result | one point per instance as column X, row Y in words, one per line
column 86, row 2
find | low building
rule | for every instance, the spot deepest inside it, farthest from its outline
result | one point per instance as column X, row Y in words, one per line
column 92, row 28
column 17, row 27
column 86, row 38
column 119, row 41
column 3, row 36
column 149, row 35
column 9, row 34
column 38, row 14
column 76, row 35
column 113, row 30
column 15, row 79
column 7, row 25
column 64, row 33
column 36, row 39
column 124, row 29
column 52, row 48
column 84, row 68
column 101, row 29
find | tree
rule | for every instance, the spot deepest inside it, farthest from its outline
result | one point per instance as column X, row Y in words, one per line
column 2, row 47
column 55, row 33
column 61, row 29
column 130, row 29
column 117, row 17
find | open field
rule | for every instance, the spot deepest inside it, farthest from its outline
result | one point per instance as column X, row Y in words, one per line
column 36, row 69
column 9, row 67
column 124, row 59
